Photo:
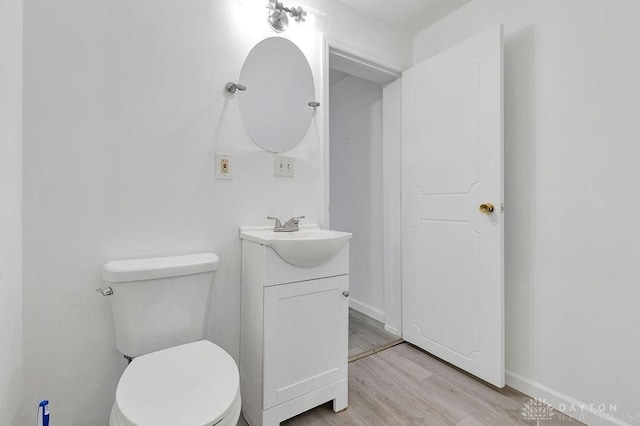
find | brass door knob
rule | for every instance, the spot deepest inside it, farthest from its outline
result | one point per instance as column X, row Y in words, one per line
column 486, row 208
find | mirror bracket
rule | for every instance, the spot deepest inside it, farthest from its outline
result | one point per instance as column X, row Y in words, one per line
column 232, row 87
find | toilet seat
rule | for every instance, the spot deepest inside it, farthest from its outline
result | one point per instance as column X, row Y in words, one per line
column 196, row 384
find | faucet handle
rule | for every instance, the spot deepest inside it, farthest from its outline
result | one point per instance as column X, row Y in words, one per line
column 292, row 224
column 278, row 223
column 294, row 220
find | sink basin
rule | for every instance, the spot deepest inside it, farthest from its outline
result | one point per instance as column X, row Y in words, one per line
column 308, row 247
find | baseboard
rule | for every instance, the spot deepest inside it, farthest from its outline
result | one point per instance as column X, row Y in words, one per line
column 563, row 403
column 370, row 311
column 392, row 330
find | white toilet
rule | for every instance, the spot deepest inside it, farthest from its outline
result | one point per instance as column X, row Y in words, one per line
column 159, row 311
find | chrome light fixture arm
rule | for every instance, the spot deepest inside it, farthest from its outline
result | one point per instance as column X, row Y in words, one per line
column 278, row 15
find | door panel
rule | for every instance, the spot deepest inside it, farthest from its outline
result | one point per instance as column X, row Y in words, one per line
column 305, row 337
column 450, row 151
column 453, row 284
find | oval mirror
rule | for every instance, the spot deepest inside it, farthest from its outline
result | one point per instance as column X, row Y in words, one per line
column 275, row 106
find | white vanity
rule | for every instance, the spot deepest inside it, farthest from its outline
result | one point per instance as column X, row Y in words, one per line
column 294, row 333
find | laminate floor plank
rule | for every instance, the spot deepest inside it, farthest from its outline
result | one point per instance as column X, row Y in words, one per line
column 395, row 399
column 366, row 334
column 404, row 386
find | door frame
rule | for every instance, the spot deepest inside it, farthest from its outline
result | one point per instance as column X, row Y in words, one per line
column 364, row 65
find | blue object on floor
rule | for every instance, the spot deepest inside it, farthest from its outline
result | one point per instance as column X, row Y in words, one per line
column 43, row 413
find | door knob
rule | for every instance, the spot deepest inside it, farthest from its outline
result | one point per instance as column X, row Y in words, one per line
column 345, row 293
column 486, row 208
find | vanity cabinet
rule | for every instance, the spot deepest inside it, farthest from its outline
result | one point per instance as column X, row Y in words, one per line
column 294, row 335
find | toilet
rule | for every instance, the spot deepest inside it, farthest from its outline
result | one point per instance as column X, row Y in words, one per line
column 160, row 308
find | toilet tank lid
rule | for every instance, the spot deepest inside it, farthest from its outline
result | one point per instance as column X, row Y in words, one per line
column 159, row 267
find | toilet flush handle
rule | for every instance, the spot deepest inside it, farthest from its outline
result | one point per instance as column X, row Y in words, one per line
column 105, row 291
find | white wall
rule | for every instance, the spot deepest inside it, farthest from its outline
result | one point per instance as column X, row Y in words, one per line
column 10, row 211
column 356, row 186
column 369, row 38
column 572, row 157
column 124, row 111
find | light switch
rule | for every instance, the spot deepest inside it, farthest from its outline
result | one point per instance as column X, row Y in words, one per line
column 284, row 166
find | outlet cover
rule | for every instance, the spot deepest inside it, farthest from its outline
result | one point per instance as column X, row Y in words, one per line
column 223, row 166
column 284, row 166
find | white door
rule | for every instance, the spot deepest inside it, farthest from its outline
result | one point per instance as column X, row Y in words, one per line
column 453, row 280
column 305, row 337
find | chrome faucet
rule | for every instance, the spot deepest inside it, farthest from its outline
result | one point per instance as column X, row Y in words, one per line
column 289, row 226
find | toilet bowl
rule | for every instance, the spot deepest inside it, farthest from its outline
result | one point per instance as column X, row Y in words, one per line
column 160, row 308
column 196, row 384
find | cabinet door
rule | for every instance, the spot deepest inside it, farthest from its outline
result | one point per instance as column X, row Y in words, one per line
column 305, row 337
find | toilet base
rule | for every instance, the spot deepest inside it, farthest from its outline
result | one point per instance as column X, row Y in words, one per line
column 338, row 392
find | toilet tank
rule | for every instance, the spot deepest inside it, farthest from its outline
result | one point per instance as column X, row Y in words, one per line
column 160, row 302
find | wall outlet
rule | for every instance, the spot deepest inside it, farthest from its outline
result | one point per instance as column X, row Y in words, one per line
column 284, row 166
column 223, row 166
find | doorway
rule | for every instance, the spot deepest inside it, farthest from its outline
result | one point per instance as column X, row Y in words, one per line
column 442, row 247
column 361, row 100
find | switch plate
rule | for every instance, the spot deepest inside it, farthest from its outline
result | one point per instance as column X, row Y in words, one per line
column 223, row 166
column 284, row 166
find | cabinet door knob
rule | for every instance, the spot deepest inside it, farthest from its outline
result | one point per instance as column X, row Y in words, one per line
column 345, row 293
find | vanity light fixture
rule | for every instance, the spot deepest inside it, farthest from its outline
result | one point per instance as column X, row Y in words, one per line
column 278, row 15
